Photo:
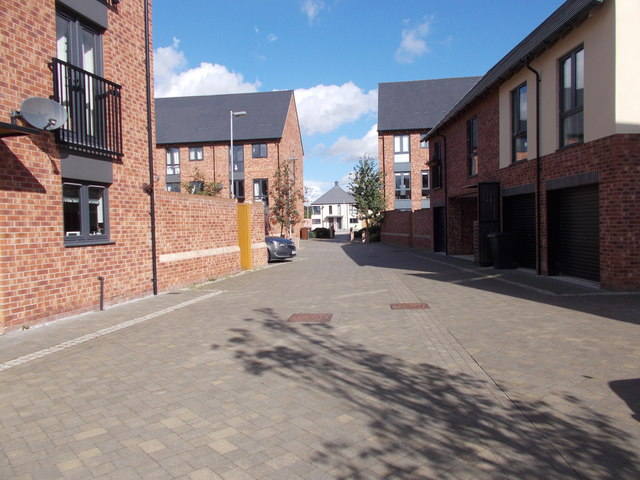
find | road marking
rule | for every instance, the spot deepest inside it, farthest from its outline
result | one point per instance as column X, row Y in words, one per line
column 100, row 333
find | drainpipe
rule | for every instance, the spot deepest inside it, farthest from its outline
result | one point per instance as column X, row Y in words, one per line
column 538, row 175
column 147, row 46
column 445, row 180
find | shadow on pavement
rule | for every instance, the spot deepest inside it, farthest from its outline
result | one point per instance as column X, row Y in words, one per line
column 422, row 414
column 629, row 391
column 516, row 283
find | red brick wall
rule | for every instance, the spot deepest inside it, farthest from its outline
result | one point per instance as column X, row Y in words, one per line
column 419, row 159
column 259, row 255
column 408, row 229
column 40, row 278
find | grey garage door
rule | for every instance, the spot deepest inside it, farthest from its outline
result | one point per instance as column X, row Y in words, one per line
column 574, row 233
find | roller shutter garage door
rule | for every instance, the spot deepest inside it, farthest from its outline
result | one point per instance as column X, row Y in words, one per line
column 519, row 217
column 574, row 232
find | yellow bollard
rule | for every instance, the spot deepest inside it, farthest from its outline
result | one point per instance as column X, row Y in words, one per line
column 244, row 235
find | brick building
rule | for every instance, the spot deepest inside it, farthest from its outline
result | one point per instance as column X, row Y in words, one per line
column 194, row 138
column 73, row 217
column 546, row 145
column 406, row 112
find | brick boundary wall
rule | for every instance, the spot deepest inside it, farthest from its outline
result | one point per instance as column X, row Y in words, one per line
column 408, row 229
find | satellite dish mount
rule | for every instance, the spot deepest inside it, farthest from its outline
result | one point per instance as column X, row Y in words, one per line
column 42, row 113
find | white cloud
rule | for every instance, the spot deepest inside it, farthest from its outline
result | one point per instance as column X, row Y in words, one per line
column 314, row 189
column 413, row 44
column 311, row 8
column 172, row 80
column 324, row 108
column 272, row 37
column 351, row 149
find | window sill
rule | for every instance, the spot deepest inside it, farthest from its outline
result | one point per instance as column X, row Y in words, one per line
column 88, row 243
column 566, row 147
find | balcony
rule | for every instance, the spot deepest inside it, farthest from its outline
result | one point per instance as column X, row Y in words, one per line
column 94, row 124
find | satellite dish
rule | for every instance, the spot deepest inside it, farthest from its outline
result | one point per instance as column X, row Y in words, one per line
column 43, row 113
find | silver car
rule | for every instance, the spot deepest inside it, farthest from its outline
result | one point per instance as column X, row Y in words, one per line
column 280, row 248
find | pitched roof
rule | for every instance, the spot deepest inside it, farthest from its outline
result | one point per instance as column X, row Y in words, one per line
column 335, row 196
column 547, row 33
column 418, row 104
column 206, row 118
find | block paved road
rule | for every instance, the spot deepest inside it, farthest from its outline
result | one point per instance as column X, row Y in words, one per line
column 506, row 375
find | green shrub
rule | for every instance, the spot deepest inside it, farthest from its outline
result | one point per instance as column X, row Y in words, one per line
column 321, row 232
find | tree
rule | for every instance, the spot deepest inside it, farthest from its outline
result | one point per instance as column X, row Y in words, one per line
column 286, row 198
column 366, row 188
column 198, row 186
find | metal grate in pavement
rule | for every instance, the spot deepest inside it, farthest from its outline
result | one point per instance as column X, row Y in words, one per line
column 409, row 306
column 310, row 318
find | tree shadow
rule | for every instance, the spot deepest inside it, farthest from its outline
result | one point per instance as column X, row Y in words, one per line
column 426, row 421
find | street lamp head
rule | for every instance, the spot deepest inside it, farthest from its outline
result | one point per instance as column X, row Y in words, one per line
column 239, row 114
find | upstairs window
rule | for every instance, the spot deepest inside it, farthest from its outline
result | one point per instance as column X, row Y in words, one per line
column 196, row 153
column 78, row 43
column 85, row 212
column 238, row 158
column 519, row 123
column 401, row 148
column 403, row 186
column 259, row 150
column 315, row 210
column 173, row 161
column 426, row 186
column 472, row 147
column 572, row 98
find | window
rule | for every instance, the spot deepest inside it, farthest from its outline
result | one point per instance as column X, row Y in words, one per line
column 572, row 98
column 403, row 186
column 519, row 123
column 330, row 210
column 472, row 147
column 316, row 221
column 78, row 43
column 238, row 158
column 261, row 190
column 238, row 190
column 436, row 165
column 86, row 213
column 173, row 187
column 196, row 153
column 353, row 220
column 259, row 150
column 353, row 211
column 426, row 187
column 401, row 148
column 173, row 161
column 315, row 210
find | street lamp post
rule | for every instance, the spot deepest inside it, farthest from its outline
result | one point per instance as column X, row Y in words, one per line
column 231, row 115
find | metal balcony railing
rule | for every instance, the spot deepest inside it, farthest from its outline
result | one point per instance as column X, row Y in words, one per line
column 93, row 104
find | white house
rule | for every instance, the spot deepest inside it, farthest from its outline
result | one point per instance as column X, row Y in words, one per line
column 336, row 209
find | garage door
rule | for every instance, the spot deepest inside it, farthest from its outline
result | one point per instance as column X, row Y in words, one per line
column 574, row 233
column 519, row 216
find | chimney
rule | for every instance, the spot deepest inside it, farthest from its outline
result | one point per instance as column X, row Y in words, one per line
column 336, row 184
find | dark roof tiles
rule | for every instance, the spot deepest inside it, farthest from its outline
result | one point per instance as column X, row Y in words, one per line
column 206, row 118
column 418, row 104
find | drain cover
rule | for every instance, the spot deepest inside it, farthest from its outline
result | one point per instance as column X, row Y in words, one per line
column 409, row 306
column 310, row 317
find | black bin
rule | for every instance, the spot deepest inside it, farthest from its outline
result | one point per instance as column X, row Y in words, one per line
column 503, row 249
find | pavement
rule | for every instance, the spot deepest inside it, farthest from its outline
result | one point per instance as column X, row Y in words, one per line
column 475, row 373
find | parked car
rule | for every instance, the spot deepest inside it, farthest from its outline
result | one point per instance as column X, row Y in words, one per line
column 280, row 248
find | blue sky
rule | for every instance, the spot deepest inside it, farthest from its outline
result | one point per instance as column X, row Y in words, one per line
column 333, row 53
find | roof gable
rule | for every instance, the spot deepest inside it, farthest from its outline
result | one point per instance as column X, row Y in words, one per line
column 335, row 196
column 203, row 119
column 418, row 104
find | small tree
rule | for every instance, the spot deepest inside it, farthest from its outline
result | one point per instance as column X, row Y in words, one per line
column 366, row 188
column 198, row 186
column 285, row 197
